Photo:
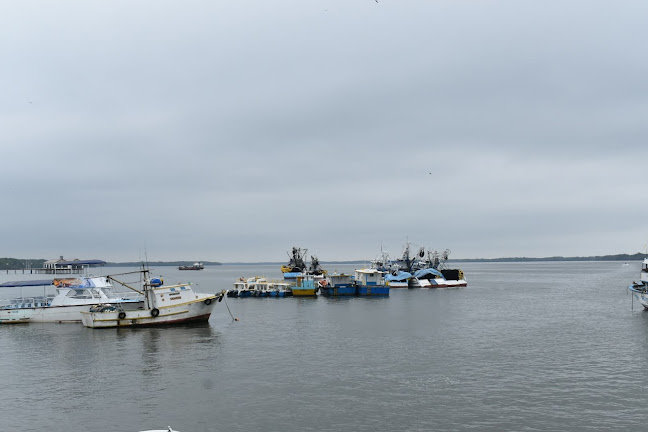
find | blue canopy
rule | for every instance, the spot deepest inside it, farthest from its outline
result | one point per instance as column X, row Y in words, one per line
column 427, row 272
column 401, row 276
column 40, row 282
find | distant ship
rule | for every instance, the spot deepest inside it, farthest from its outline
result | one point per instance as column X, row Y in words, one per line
column 195, row 266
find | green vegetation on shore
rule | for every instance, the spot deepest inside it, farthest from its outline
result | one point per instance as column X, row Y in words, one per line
column 619, row 257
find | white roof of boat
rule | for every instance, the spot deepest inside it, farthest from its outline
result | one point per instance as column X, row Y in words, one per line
column 369, row 271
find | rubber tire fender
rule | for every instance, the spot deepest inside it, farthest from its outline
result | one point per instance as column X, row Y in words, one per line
column 155, row 312
column 208, row 301
column 121, row 315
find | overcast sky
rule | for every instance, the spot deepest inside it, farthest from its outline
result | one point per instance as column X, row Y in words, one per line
column 234, row 130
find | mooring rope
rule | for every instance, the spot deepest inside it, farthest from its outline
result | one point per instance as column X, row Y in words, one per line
column 228, row 309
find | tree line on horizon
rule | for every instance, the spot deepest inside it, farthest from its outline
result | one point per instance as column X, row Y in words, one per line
column 24, row 264
column 618, row 257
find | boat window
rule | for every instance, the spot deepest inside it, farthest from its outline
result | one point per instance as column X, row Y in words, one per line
column 79, row 294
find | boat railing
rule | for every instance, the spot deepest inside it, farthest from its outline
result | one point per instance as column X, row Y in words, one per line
column 25, row 302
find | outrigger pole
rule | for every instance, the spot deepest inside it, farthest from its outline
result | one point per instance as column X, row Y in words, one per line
column 124, row 284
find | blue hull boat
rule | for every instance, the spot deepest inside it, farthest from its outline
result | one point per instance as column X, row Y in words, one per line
column 338, row 290
column 371, row 282
column 373, row 290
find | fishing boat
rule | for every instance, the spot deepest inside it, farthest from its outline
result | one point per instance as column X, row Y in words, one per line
column 398, row 279
column 305, row 286
column 255, row 286
column 315, row 267
column 640, row 289
column 274, row 289
column 195, row 266
column 371, row 282
column 431, row 271
column 283, row 289
column 258, row 286
column 240, row 289
column 454, row 278
column 163, row 305
column 296, row 263
column 337, row 284
column 71, row 297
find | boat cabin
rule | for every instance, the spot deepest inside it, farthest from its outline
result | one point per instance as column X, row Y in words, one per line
column 644, row 270
column 340, row 279
column 370, row 277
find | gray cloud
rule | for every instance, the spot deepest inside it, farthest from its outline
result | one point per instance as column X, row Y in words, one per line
column 234, row 131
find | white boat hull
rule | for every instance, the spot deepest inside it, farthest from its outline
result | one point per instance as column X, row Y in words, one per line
column 197, row 310
column 640, row 294
column 437, row 283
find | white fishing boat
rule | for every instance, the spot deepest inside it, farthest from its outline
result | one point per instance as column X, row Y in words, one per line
column 163, row 305
column 245, row 287
column 71, row 297
column 640, row 289
column 432, row 278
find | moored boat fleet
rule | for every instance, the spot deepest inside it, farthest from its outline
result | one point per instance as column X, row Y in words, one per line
column 427, row 269
column 97, row 303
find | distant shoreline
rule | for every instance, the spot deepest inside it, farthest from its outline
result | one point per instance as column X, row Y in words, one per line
column 19, row 264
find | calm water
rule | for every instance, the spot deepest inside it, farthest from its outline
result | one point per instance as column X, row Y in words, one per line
column 525, row 347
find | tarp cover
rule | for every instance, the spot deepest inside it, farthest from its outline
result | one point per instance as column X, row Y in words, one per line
column 40, row 282
column 428, row 272
column 401, row 276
